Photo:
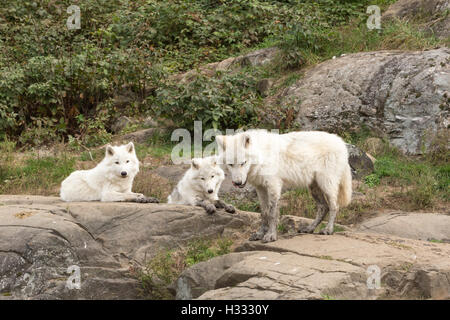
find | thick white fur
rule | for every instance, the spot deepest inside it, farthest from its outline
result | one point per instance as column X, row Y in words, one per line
column 203, row 175
column 269, row 161
column 105, row 182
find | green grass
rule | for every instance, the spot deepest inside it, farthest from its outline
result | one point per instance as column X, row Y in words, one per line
column 335, row 228
column 97, row 155
column 36, row 175
column 167, row 265
column 159, row 145
column 6, row 157
column 154, row 150
column 281, row 228
column 245, row 204
column 425, row 182
column 356, row 37
column 202, row 250
column 299, row 202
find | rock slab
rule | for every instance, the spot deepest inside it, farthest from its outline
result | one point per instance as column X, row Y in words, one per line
column 312, row 266
column 41, row 237
column 404, row 96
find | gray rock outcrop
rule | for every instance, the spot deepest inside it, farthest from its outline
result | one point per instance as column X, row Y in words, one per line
column 404, row 96
column 312, row 266
column 41, row 237
column 420, row 226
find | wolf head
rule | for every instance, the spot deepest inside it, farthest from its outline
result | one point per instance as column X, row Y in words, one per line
column 207, row 174
column 121, row 161
column 235, row 155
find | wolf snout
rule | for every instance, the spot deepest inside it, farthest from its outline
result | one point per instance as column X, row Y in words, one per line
column 238, row 184
column 210, row 190
column 123, row 174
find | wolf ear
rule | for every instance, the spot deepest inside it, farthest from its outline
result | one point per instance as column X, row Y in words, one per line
column 246, row 140
column 221, row 142
column 130, row 147
column 109, row 150
column 195, row 164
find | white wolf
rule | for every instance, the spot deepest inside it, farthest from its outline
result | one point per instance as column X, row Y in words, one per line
column 110, row 180
column 268, row 161
column 200, row 186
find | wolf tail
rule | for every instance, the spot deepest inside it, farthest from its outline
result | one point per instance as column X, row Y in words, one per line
column 345, row 188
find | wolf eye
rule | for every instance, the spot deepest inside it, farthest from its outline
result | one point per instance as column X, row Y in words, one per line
column 230, row 165
column 212, row 176
column 117, row 162
column 202, row 178
column 128, row 161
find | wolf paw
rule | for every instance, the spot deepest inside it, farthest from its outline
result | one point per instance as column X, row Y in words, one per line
column 152, row 200
column 230, row 209
column 210, row 209
column 326, row 231
column 143, row 199
column 269, row 237
column 140, row 198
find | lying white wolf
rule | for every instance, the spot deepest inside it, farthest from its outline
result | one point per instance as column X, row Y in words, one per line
column 200, row 186
column 268, row 161
column 110, row 180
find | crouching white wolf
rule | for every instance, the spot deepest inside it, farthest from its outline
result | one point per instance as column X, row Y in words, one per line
column 110, row 180
column 268, row 161
column 200, row 186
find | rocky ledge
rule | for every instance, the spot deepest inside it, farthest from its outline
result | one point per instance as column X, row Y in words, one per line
column 41, row 237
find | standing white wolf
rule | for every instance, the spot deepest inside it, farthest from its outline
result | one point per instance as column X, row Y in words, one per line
column 110, row 180
column 268, row 161
column 200, row 186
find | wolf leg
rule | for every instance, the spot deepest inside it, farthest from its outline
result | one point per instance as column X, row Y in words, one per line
column 322, row 208
column 330, row 190
column 263, row 199
column 114, row 196
column 273, row 192
column 334, row 208
column 228, row 207
column 208, row 206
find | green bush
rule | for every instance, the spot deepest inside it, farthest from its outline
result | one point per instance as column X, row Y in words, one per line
column 224, row 101
column 372, row 180
column 57, row 82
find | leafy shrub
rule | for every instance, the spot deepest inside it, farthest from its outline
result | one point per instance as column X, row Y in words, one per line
column 226, row 101
column 52, row 76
